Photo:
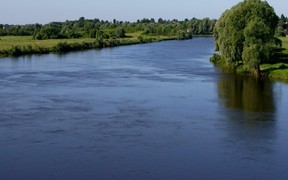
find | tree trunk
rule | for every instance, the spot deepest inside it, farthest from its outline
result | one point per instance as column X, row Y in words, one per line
column 257, row 72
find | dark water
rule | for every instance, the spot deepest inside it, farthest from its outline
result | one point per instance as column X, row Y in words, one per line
column 153, row 111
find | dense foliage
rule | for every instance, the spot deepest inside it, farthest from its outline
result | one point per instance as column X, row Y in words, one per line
column 94, row 28
column 18, row 30
column 282, row 28
column 245, row 33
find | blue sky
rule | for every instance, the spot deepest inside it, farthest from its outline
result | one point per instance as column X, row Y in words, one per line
column 44, row 11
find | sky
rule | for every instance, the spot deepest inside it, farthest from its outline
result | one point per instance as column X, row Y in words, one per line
column 45, row 11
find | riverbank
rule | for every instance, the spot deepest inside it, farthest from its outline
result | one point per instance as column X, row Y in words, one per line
column 274, row 71
column 26, row 45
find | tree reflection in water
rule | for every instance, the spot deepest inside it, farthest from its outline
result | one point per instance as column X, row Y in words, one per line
column 249, row 107
column 252, row 97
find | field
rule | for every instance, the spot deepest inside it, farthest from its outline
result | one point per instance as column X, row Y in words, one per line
column 23, row 45
column 7, row 42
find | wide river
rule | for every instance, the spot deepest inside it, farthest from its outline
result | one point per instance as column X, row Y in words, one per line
column 150, row 111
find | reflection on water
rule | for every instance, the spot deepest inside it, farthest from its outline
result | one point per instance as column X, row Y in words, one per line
column 248, row 95
column 249, row 108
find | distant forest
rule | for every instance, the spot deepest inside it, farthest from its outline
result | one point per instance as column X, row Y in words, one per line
column 95, row 28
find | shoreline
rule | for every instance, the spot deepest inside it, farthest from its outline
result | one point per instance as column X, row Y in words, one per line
column 277, row 71
column 274, row 72
column 15, row 46
column 34, row 47
column 66, row 46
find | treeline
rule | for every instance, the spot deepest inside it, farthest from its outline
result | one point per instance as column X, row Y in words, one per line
column 95, row 28
column 19, row 30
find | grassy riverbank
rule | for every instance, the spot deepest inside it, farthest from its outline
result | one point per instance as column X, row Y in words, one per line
column 25, row 45
column 279, row 70
column 275, row 71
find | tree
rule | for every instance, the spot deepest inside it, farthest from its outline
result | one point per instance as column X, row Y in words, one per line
column 160, row 21
column 48, row 32
column 245, row 33
column 257, row 44
column 120, row 32
column 282, row 25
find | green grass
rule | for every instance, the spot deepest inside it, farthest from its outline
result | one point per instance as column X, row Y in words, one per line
column 7, row 42
column 21, row 45
column 279, row 74
column 277, row 71
column 285, row 44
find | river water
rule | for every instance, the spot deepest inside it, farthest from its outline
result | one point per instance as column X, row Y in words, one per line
column 150, row 111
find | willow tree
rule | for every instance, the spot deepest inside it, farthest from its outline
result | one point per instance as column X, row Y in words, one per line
column 245, row 33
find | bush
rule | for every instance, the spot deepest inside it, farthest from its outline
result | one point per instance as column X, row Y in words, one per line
column 141, row 39
column 215, row 58
column 16, row 51
column 62, row 47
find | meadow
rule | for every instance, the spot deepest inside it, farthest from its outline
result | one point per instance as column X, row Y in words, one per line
column 7, row 42
column 25, row 45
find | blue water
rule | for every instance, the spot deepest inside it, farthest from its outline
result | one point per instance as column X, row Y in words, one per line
column 150, row 111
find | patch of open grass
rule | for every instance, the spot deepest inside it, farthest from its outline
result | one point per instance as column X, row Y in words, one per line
column 21, row 45
column 275, row 71
column 284, row 44
column 7, row 42
column 279, row 74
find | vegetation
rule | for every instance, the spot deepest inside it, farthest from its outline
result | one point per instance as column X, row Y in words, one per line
column 94, row 28
column 25, row 45
column 277, row 69
column 244, row 33
column 245, row 36
column 84, row 33
column 282, row 28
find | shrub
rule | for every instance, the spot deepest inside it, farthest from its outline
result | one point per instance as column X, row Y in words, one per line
column 16, row 51
column 215, row 58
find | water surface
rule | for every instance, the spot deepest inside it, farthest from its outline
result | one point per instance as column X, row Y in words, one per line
column 152, row 111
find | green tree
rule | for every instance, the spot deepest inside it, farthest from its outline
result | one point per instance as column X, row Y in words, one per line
column 245, row 33
column 48, row 32
column 282, row 25
column 120, row 32
column 160, row 21
column 258, row 34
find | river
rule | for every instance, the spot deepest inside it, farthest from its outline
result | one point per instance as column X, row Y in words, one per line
column 150, row 111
